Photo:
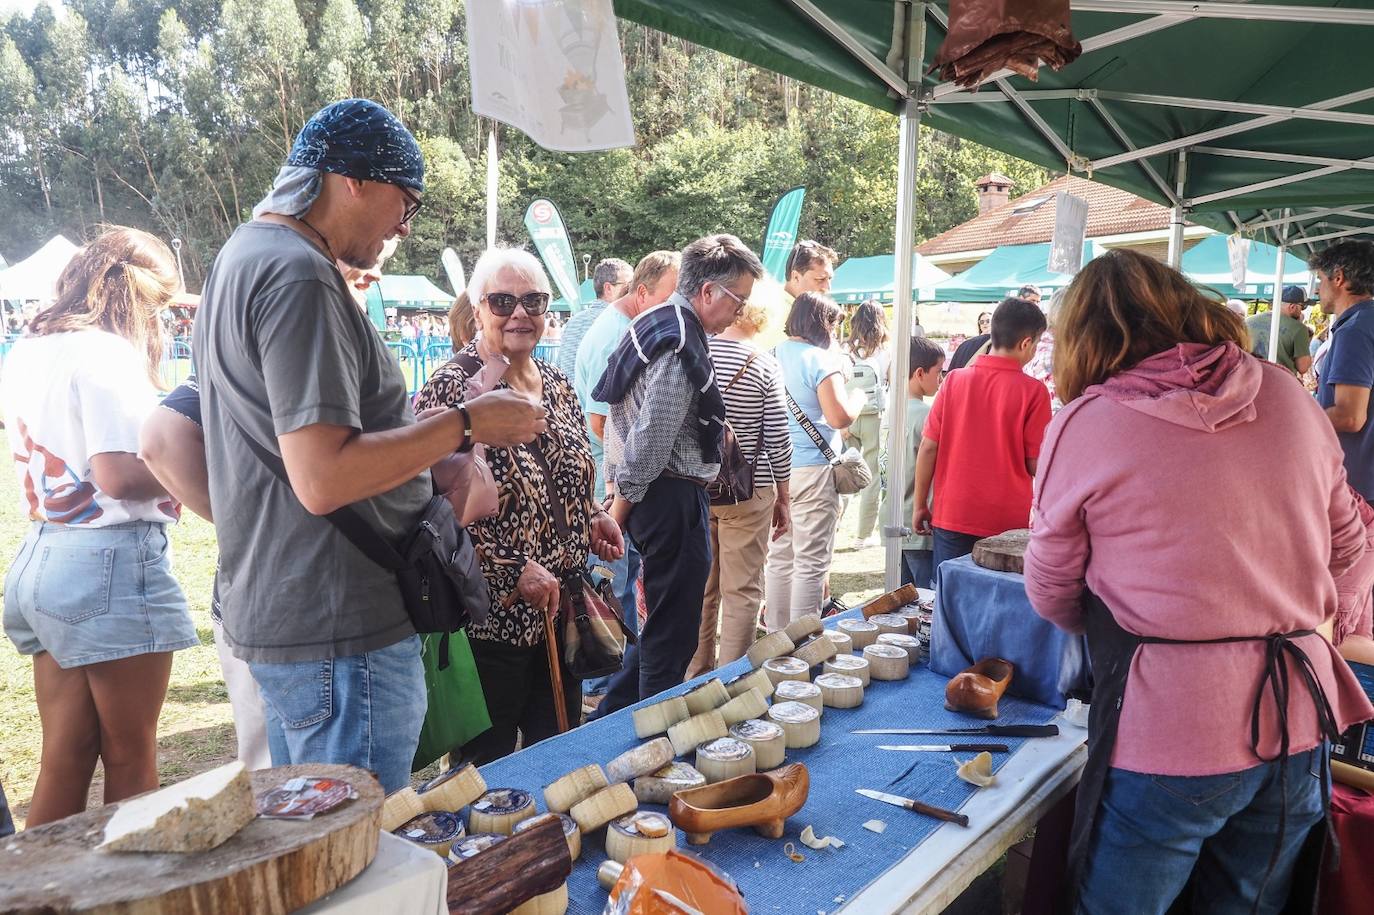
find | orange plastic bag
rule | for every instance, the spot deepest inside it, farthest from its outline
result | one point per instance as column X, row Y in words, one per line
column 673, row 883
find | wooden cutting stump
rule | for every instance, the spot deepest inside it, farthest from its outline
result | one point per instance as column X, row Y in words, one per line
column 270, row 867
column 1006, row 552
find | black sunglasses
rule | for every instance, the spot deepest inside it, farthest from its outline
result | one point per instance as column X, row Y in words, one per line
column 413, row 205
column 503, row 304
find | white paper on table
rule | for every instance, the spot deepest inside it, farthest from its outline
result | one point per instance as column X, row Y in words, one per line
column 1238, row 250
column 1070, row 228
column 553, row 69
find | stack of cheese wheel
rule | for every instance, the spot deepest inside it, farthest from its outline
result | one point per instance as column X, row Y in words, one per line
column 887, row 662
column 840, row 690
column 799, row 691
column 571, row 833
column 773, row 645
column 767, row 739
column 725, row 757
column 889, row 623
column 849, row 664
column 779, row 669
column 908, row 643
column 801, row 724
column 641, row 833
column 861, row 632
column 659, row 787
column 499, row 810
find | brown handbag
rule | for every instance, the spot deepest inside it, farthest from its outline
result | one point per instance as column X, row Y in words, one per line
column 735, row 481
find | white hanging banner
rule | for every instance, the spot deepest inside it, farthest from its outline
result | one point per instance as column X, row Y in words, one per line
column 1070, row 228
column 553, row 69
column 1238, row 250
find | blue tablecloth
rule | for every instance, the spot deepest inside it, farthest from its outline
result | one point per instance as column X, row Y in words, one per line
column 838, row 765
column 980, row 614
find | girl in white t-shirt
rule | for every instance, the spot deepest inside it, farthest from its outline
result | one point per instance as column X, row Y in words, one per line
column 91, row 594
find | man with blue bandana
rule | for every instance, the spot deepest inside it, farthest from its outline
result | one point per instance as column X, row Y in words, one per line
column 287, row 360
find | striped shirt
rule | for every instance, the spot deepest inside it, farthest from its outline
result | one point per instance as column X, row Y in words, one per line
column 757, row 399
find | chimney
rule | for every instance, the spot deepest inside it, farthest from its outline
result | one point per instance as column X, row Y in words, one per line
column 993, row 191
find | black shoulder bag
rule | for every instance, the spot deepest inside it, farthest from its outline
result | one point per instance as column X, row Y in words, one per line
column 735, row 481
column 437, row 568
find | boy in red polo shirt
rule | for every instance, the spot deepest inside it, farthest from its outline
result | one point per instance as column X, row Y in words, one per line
column 982, row 439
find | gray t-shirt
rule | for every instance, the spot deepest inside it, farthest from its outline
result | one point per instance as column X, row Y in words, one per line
column 280, row 345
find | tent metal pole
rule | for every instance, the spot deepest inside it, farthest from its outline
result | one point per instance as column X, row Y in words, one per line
column 1304, row 215
column 899, row 463
column 1210, row 9
column 1276, row 182
column 1275, row 314
column 1176, row 215
column 1342, row 234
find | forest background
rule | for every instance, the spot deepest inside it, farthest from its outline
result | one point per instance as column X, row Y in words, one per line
column 174, row 117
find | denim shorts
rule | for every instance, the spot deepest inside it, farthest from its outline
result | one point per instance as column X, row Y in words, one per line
column 92, row 594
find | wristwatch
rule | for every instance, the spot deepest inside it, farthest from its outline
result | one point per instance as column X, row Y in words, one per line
column 468, row 442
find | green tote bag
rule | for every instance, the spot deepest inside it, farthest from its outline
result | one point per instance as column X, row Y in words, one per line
column 457, row 707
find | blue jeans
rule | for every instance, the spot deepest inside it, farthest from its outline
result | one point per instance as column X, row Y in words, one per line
column 1154, row 831
column 626, row 572
column 918, row 568
column 949, row 545
column 364, row 710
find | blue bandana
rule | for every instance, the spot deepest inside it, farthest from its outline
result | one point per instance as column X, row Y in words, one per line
column 360, row 139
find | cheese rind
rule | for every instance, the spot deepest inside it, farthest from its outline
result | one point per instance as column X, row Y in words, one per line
column 801, row 724
column 889, row 623
column 908, row 643
column 843, row 643
column 499, row 810
column 604, row 806
column 571, row 834
column 705, row 697
column 773, row 645
column 640, row 833
column 198, row 814
column 658, row 718
column 803, row 627
column 686, row 736
column 643, row 759
column 767, row 739
column 453, row 790
column 887, row 662
column 746, row 705
column 849, row 664
column 725, row 757
column 816, row 651
column 755, row 679
column 576, row 786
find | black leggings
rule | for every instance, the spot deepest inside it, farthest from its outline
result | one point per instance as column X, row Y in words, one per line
column 519, row 697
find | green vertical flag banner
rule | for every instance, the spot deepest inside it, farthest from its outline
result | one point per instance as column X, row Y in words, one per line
column 551, row 240
column 781, row 234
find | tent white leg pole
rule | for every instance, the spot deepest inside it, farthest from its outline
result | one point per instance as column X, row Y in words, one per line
column 899, row 463
column 492, row 175
column 1176, row 217
column 1277, row 304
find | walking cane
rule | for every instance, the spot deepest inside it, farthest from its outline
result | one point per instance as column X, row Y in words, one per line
column 555, row 670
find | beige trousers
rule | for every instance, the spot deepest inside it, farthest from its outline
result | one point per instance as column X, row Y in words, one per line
column 734, row 592
column 799, row 560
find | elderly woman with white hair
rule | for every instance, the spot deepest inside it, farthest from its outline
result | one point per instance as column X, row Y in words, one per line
column 547, row 520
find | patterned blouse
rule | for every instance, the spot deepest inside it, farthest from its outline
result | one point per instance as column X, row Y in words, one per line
column 544, row 487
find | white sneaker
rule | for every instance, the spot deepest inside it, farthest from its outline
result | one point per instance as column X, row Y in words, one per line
column 866, row 543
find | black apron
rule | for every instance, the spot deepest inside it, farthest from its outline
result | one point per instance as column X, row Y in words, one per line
column 1110, row 651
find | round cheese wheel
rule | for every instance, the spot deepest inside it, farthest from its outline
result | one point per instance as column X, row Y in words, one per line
column 779, row 669
column 767, row 739
column 799, row 691
column 861, row 632
column 499, row 810
column 888, row 622
column 840, row 690
column 800, row 723
column 571, row 833
column 843, row 643
column 851, row 664
column 887, row 662
column 725, row 757
column 908, row 643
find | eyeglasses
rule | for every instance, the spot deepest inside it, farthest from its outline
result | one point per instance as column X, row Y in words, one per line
column 502, row 304
column 413, row 205
column 739, row 303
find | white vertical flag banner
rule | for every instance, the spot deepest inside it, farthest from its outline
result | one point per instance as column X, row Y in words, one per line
column 553, row 69
column 1070, row 228
column 493, row 174
column 1238, row 250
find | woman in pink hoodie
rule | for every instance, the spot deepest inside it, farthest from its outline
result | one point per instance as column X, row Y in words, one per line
column 1175, row 525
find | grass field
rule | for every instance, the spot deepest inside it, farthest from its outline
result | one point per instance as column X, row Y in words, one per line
column 196, row 731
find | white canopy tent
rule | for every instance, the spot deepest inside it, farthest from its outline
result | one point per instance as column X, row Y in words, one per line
column 35, row 277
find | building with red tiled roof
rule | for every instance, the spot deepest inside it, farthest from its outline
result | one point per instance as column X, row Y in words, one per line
column 1116, row 218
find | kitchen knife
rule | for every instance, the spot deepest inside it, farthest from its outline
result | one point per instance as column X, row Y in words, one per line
column 938, row 813
column 992, row 730
column 948, row 747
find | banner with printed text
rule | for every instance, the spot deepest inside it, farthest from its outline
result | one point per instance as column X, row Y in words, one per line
column 781, row 234
column 550, row 239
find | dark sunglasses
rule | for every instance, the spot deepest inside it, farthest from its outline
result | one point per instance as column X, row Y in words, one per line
column 503, row 304
column 413, row 205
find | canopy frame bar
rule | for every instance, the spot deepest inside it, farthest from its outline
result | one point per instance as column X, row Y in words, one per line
column 1210, row 9
column 1304, row 215
column 856, row 50
column 1342, row 234
column 1124, row 139
column 1295, row 158
column 1272, row 183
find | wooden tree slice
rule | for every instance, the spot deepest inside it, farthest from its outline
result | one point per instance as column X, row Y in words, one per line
column 530, row 863
column 269, row 867
column 1006, row 552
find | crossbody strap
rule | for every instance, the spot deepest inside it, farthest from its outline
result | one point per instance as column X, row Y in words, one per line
column 345, row 520
column 739, row 374
column 810, row 429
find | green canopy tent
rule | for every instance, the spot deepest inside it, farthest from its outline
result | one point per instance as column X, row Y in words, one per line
column 408, row 291
column 861, row 278
column 585, row 294
column 1003, row 272
column 1250, row 117
column 1208, row 263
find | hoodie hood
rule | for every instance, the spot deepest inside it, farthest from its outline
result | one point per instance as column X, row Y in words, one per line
column 1208, row 388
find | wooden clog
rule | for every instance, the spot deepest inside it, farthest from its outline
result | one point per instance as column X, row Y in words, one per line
column 975, row 691
column 763, row 800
